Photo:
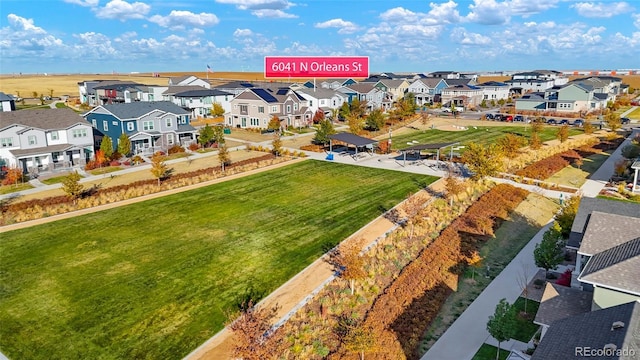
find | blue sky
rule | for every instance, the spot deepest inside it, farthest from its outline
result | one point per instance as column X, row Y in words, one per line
column 101, row 36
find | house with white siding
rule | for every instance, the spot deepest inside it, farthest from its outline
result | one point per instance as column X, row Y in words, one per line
column 44, row 139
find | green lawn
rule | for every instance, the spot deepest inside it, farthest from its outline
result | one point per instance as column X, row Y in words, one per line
column 488, row 352
column 572, row 176
column 481, row 134
column 525, row 328
column 155, row 279
column 54, row 180
column 6, row 189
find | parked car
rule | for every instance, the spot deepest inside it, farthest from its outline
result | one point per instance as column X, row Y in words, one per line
column 625, row 120
column 552, row 122
column 489, row 116
column 508, row 118
column 497, row 117
column 518, row 118
column 564, row 122
column 578, row 122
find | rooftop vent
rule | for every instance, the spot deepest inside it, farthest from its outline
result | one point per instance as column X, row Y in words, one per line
column 617, row 325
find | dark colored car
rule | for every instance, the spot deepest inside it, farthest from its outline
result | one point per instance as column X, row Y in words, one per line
column 564, row 122
column 552, row 122
column 578, row 122
column 625, row 120
column 518, row 118
column 489, row 116
column 497, row 117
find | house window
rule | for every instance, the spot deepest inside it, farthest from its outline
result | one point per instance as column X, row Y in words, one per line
column 244, row 109
column 95, row 125
column 105, row 125
column 77, row 133
column 130, row 126
column 261, row 109
column 254, row 122
column 295, row 106
column 147, row 125
column 274, row 108
column 310, row 102
column 170, row 139
column 6, row 142
column 168, row 122
column 288, row 109
column 54, row 135
column 32, row 139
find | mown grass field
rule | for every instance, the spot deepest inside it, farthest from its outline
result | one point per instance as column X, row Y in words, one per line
column 484, row 135
column 154, row 279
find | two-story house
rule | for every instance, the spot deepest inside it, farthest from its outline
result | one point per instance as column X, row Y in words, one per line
column 188, row 80
column 568, row 98
column 462, row 96
column 494, row 90
column 366, row 91
column 200, row 101
column 427, row 90
column 397, row 88
column 323, row 99
column 534, row 81
column 254, row 108
column 118, row 92
column 44, row 139
column 336, row 83
column 150, row 126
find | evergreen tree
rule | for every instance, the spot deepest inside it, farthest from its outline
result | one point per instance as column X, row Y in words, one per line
column 325, row 129
column 206, row 135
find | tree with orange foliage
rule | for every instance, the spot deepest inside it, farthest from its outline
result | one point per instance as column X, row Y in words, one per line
column 13, row 176
column 348, row 263
column 318, row 116
column 251, row 330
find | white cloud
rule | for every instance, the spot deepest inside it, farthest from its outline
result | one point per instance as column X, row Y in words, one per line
column 446, row 12
column 122, row 10
column 399, row 14
column 488, row 12
column 636, row 20
column 528, row 7
column 263, row 8
column 463, row 37
column 243, row 32
column 26, row 25
column 181, row 19
column 345, row 27
column 85, row 3
column 602, row 10
column 22, row 38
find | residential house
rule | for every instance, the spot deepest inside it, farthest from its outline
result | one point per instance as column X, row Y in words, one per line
column 427, row 90
column 111, row 92
column 535, row 81
column 568, row 98
column 445, row 75
column 200, row 101
column 397, row 88
column 494, row 90
column 150, row 126
column 7, row 103
column 326, row 100
column 254, row 108
column 375, row 98
column 559, row 302
column 188, row 80
column 602, row 84
column 238, row 87
column 462, row 96
column 44, row 139
column 336, row 83
column 610, row 333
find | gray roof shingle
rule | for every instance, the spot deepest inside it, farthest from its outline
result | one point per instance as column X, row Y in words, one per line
column 559, row 302
column 45, row 119
column 594, row 330
column 137, row 109
column 617, row 267
column 605, row 231
column 588, row 205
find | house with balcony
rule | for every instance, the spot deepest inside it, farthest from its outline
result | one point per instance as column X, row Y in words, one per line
column 254, row 108
column 427, row 90
column 110, row 92
column 44, row 139
column 462, row 96
column 150, row 126
column 536, row 81
column 396, row 87
column 323, row 99
column 366, row 91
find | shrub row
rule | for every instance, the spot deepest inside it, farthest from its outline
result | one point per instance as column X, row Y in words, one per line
column 117, row 193
column 544, row 168
column 424, row 284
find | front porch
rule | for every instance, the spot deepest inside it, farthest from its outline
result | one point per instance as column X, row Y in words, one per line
column 52, row 158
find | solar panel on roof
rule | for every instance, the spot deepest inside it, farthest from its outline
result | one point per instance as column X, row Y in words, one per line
column 246, row 84
column 265, row 95
column 282, row 91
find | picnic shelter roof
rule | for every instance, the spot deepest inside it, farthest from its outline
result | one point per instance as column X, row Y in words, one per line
column 352, row 139
column 432, row 146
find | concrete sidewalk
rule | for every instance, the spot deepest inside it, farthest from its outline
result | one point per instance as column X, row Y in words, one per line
column 465, row 336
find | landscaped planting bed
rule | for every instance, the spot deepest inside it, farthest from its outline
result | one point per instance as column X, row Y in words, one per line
column 154, row 279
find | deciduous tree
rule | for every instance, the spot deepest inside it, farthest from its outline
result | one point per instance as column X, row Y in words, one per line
column 613, row 121
column 100, row 157
column 348, row 263
column 587, row 127
column 548, row 254
column 375, row 120
column 223, row 156
column 124, row 145
column 159, row 167
column 355, row 124
column 482, row 160
column 567, row 214
column 71, row 185
column 13, row 176
column 325, row 129
column 318, row 116
column 535, row 143
column 453, row 187
column 274, row 123
column 276, row 145
column 360, row 339
column 217, row 109
column 510, row 145
column 251, row 330
column 218, row 135
column 501, row 323
column 563, row 133
column 206, row 135
column 106, row 146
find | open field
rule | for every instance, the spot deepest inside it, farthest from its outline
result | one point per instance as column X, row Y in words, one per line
column 154, row 279
column 486, row 134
